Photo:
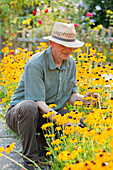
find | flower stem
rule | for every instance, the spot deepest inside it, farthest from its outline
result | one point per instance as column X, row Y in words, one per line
column 28, row 159
column 93, row 149
column 14, row 161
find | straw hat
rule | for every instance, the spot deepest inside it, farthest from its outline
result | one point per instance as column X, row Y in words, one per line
column 65, row 35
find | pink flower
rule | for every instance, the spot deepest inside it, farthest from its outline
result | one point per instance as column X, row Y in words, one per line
column 46, row 11
column 34, row 12
column 13, row 34
column 76, row 25
column 88, row 14
column 12, row 51
column 40, row 22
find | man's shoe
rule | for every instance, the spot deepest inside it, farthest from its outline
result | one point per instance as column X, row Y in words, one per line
column 28, row 166
column 42, row 164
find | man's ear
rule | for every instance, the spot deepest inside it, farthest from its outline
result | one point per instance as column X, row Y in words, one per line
column 51, row 43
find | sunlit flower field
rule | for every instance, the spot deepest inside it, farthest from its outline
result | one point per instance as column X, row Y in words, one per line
column 88, row 148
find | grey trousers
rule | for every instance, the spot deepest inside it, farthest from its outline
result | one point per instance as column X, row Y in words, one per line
column 25, row 119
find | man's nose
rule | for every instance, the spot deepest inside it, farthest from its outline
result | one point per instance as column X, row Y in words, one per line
column 68, row 49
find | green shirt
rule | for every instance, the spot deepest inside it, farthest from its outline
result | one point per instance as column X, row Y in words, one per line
column 43, row 80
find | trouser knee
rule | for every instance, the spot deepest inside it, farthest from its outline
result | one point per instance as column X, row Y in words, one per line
column 29, row 108
column 24, row 113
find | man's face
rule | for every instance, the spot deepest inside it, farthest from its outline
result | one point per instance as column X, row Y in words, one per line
column 60, row 52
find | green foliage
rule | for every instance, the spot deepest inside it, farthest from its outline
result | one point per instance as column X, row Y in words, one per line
column 10, row 17
column 9, row 11
column 100, row 7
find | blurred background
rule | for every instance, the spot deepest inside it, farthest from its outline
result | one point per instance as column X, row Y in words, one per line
column 23, row 23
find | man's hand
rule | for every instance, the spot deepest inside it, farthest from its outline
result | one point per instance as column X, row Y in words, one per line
column 89, row 98
column 44, row 108
column 93, row 98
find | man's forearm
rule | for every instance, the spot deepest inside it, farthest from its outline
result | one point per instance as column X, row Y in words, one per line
column 45, row 109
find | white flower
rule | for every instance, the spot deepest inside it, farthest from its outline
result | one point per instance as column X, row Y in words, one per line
column 76, row 5
column 49, row 9
column 38, row 10
column 55, row 9
column 98, row 8
column 66, row 3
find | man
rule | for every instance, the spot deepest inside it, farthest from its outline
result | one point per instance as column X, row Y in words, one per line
column 49, row 78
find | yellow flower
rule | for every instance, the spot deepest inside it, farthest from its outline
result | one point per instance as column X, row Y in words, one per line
column 24, row 22
column 10, row 148
column 80, row 57
column 86, row 19
column 39, row 47
column 10, row 43
column 58, row 128
column 12, row 51
column 56, row 142
column 3, row 100
column 42, row 43
column 61, row 120
column 102, row 157
column 108, row 11
column 46, row 135
column 73, row 154
column 69, row 130
column 57, row 148
column 37, row 51
column 73, row 140
column 48, row 114
column 51, row 135
column 49, row 153
column 5, row 50
column 88, row 45
column 63, row 137
column 78, row 103
column 76, row 50
column 52, row 105
column 28, row 21
column 64, row 155
column 1, row 150
column 111, row 57
column 45, row 126
column 92, row 51
column 100, row 26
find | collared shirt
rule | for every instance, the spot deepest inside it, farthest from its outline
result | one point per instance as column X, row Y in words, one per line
column 43, row 80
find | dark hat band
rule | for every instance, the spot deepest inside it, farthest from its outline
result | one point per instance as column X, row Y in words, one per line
column 62, row 39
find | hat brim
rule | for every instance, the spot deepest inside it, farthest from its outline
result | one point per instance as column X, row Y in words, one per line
column 74, row 44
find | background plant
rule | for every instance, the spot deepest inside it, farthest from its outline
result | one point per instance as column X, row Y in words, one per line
column 41, row 15
column 9, row 11
column 99, row 9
